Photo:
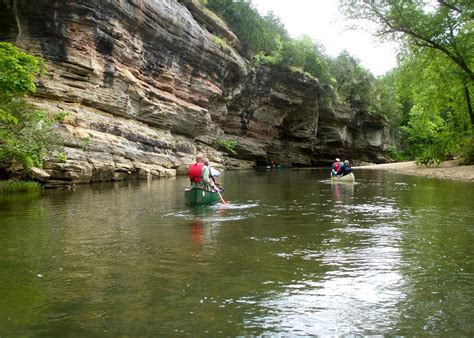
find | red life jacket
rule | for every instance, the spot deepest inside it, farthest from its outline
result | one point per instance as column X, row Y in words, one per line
column 195, row 172
column 336, row 166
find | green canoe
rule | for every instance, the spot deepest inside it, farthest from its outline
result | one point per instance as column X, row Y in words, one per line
column 195, row 197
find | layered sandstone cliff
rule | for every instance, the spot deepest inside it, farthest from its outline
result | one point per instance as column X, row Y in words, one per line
column 145, row 86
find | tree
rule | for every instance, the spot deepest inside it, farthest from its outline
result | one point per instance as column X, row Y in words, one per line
column 437, row 126
column 445, row 27
column 354, row 82
column 305, row 54
column 25, row 131
column 385, row 99
column 276, row 33
column 256, row 33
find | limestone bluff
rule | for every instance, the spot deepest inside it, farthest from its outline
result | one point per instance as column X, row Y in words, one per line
column 145, row 88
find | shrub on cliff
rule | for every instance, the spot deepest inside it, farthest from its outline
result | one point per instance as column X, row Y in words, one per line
column 26, row 133
column 256, row 33
column 227, row 145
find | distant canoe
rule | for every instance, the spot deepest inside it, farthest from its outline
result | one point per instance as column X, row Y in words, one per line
column 275, row 167
column 347, row 178
column 194, row 197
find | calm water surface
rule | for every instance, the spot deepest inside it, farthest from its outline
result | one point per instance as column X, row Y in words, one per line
column 290, row 253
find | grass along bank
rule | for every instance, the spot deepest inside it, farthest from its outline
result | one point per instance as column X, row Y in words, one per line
column 10, row 186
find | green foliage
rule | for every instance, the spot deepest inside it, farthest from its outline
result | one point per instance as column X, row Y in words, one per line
column 300, row 55
column 435, row 80
column 17, row 71
column 266, row 39
column 438, row 122
column 256, row 33
column 384, row 99
column 428, row 96
column 395, row 154
column 221, row 42
column 295, row 69
column 228, row 145
column 430, row 140
column 354, row 83
column 85, row 142
column 434, row 84
column 467, row 150
column 307, row 55
column 443, row 30
column 26, row 141
column 10, row 187
column 261, row 58
column 26, row 133
column 59, row 117
column 62, row 156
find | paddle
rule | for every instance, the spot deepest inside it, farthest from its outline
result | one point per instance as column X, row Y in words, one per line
column 219, row 193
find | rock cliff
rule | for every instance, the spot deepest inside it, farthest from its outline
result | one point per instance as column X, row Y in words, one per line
column 145, row 85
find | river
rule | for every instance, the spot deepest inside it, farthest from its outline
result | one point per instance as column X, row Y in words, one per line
column 289, row 254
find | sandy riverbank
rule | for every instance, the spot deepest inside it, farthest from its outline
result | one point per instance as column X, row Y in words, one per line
column 447, row 170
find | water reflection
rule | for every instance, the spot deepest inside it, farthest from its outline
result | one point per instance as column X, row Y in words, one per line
column 291, row 255
column 342, row 191
column 197, row 231
column 358, row 294
column 204, row 227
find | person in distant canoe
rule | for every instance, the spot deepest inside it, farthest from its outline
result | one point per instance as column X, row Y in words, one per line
column 199, row 174
column 211, row 177
column 336, row 167
column 346, row 168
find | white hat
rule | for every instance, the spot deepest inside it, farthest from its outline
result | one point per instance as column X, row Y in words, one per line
column 337, row 159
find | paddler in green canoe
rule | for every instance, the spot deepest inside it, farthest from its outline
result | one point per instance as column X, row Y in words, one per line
column 199, row 174
column 203, row 191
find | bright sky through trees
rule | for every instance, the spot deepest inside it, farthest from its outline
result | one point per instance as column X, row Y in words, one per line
column 321, row 20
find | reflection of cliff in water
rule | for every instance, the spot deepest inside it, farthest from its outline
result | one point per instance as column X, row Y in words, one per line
column 342, row 191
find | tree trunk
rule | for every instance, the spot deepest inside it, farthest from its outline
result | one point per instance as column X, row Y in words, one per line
column 469, row 105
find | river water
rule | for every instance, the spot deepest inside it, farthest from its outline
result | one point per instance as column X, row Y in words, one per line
column 290, row 254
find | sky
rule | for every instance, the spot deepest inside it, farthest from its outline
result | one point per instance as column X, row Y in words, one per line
column 321, row 20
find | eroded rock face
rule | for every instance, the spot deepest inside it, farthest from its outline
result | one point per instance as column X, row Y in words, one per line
column 145, row 88
column 275, row 117
column 138, row 80
column 349, row 135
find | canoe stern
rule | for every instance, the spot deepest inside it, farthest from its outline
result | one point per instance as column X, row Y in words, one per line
column 196, row 197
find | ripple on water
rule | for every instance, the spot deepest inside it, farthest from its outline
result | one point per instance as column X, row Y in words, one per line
column 346, row 294
column 216, row 213
column 232, row 206
column 372, row 209
column 269, row 239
